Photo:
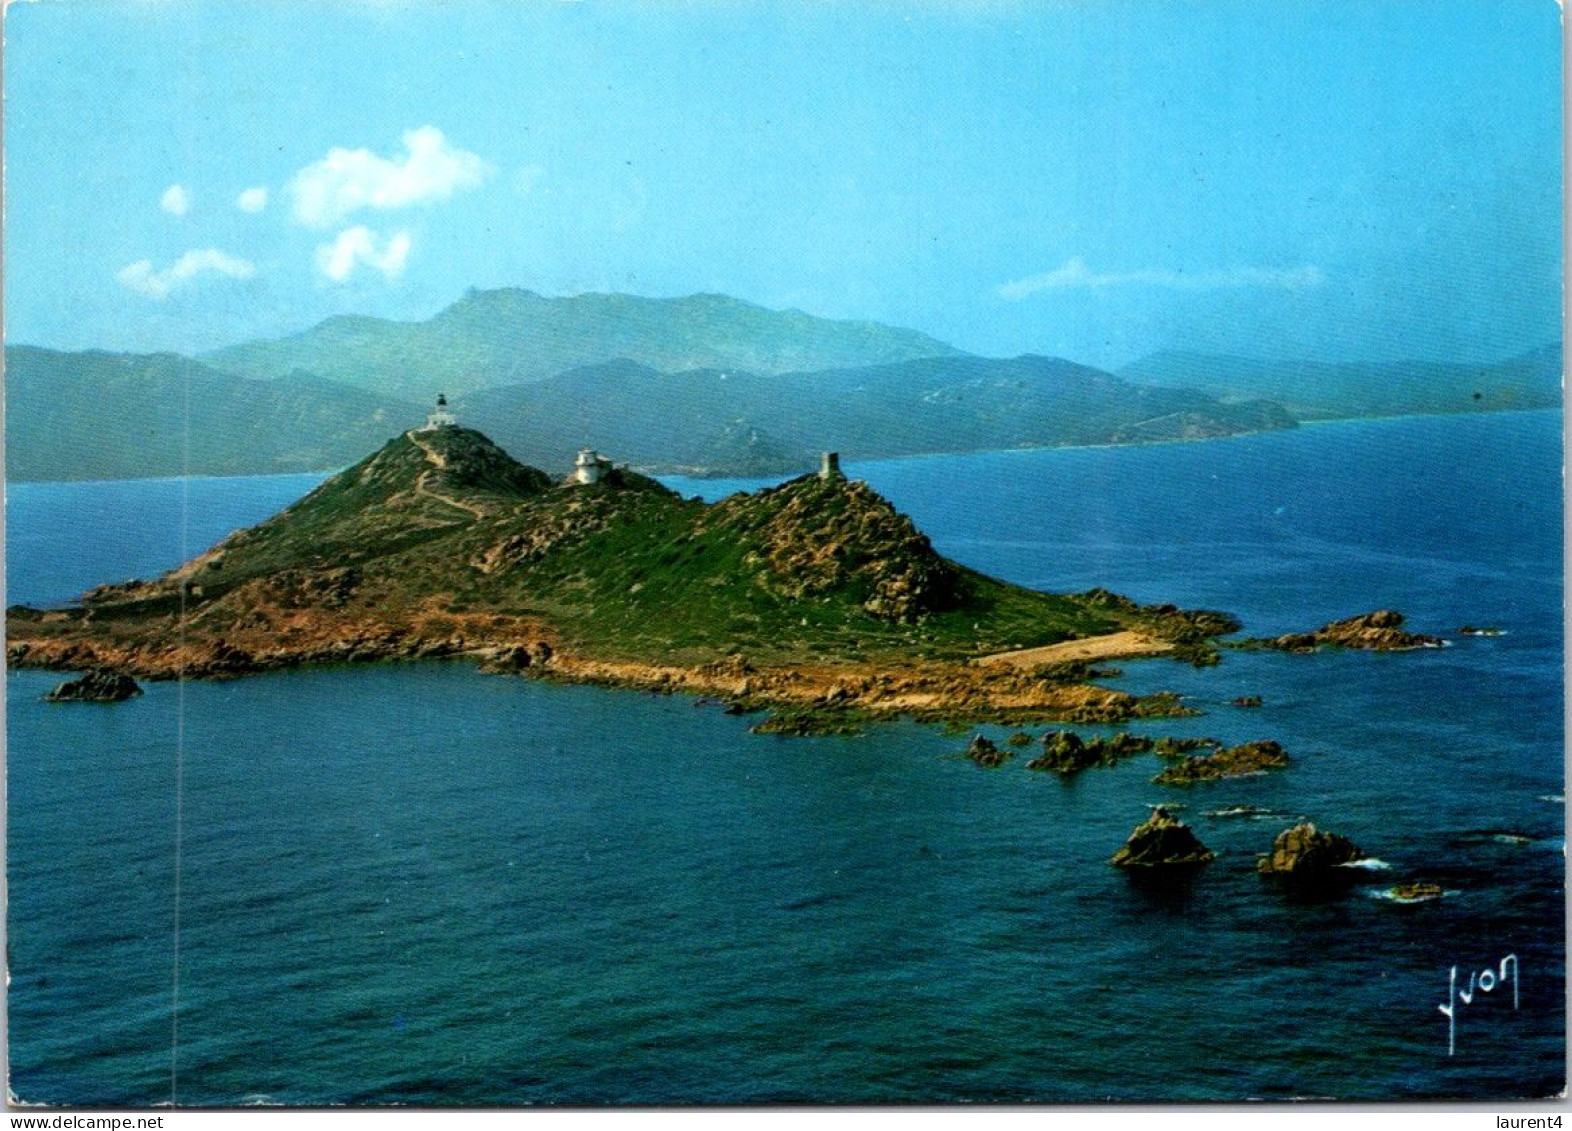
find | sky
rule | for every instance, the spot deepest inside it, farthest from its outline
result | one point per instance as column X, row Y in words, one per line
column 1100, row 179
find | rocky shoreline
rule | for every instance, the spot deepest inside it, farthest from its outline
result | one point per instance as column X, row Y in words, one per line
column 833, row 696
column 816, row 698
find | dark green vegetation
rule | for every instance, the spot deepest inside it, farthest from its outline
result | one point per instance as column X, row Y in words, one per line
column 100, row 415
column 1321, row 390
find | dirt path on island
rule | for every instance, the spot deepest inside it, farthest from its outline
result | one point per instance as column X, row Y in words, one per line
column 438, row 463
column 1116, row 645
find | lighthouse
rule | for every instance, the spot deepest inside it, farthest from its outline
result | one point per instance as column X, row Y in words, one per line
column 440, row 417
column 589, row 467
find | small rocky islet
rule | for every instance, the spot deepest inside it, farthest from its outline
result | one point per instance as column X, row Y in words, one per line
column 1162, row 841
column 1380, row 631
column 1307, row 856
column 96, row 687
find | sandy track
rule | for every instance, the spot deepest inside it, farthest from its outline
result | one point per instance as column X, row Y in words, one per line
column 1113, row 646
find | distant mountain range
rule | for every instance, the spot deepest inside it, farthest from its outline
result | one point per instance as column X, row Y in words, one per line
column 96, row 415
column 1324, row 390
column 509, row 336
column 712, row 422
column 705, row 384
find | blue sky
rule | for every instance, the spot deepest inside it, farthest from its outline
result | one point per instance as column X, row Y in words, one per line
column 1096, row 179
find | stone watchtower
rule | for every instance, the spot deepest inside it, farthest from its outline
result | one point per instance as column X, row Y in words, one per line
column 440, row 417
column 830, row 467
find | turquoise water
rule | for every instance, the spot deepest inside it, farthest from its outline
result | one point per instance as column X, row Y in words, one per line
column 415, row 883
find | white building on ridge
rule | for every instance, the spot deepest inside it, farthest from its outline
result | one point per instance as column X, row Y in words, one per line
column 440, row 417
column 590, row 466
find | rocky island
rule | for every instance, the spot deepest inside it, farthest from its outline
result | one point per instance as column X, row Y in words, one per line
column 1380, row 631
column 815, row 596
column 1162, row 842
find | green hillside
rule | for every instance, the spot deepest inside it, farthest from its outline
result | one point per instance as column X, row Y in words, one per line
column 445, row 522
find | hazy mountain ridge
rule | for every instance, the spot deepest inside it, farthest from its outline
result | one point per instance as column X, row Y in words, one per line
column 1312, row 389
column 709, row 421
column 102, row 415
column 98, row 415
column 508, row 336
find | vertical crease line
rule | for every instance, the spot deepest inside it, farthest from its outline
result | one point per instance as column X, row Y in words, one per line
column 180, row 739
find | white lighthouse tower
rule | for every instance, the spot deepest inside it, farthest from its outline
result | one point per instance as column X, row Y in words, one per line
column 440, row 417
column 589, row 467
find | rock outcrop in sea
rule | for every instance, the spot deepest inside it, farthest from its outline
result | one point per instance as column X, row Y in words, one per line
column 986, row 753
column 1161, row 841
column 1236, row 761
column 1065, row 752
column 1306, row 855
column 1380, row 631
column 96, row 687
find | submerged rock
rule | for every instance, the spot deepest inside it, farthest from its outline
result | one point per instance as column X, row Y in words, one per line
column 1304, row 854
column 1246, row 701
column 1162, row 841
column 96, row 687
column 1179, row 747
column 805, row 722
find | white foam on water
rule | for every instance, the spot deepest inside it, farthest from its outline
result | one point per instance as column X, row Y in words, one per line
column 1368, row 864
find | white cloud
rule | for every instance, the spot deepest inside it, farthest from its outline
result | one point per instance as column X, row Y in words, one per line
column 141, row 278
column 252, row 199
column 175, row 201
column 358, row 245
column 348, row 180
column 1076, row 275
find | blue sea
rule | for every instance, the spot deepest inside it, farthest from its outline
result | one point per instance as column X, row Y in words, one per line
column 418, row 884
